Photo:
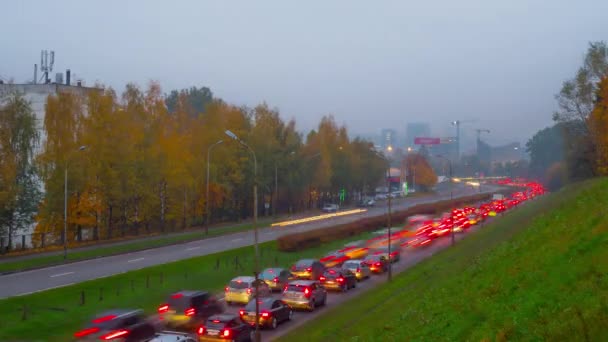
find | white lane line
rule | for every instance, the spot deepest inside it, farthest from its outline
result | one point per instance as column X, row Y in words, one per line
column 61, row 274
column 48, row 288
column 237, row 239
column 136, row 260
column 193, row 248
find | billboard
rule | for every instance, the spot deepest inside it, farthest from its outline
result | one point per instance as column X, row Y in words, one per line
column 427, row 141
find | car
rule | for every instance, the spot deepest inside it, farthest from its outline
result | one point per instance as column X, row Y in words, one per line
column 276, row 278
column 242, row 289
column 356, row 250
column 330, row 208
column 417, row 241
column 225, row 327
column 304, row 294
column 271, row 313
column 369, row 202
column 381, row 196
column 359, row 268
column 333, row 259
column 188, row 309
column 395, row 255
column 173, row 336
column 308, row 269
column 376, row 263
column 119, row 325
column 338, row 279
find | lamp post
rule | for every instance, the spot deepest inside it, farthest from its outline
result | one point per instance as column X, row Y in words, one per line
column 451, row 197
column 255, row 230
column 65, row 205
column 208, row 218
column 388, row 175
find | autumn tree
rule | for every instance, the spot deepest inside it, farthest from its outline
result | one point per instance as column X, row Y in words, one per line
column 419, row 172
column 598, row 124
column 19, row 182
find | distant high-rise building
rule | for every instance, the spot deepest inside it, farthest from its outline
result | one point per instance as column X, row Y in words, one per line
column 414, row 130
column 388, row 139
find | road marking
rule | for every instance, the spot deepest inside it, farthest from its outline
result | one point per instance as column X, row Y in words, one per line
column 136, row 260
column 193, row 248
column 48, row 288
column 237, row 239
column 61, row 274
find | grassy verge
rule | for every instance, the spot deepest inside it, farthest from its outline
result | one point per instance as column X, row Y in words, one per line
column 55, row 314
column 101, row 251
column 539, row 273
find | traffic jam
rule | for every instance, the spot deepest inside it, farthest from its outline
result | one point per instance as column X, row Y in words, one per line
column 198, row 315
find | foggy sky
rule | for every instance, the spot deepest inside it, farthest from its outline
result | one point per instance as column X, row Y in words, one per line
column 372, row 64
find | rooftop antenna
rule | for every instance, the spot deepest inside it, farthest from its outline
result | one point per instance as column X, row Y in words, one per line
column 46, row 67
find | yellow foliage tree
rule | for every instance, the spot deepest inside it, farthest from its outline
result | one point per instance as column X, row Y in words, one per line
column 598, row 123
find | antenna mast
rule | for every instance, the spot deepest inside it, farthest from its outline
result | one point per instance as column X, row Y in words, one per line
column 46, row 67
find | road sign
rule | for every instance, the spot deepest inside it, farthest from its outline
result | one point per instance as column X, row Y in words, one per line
column 427, row 141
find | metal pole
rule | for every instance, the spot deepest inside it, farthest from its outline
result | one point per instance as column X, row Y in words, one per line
column 65, row 212
column 258, row 337
column 390, row 267
column 276, row 189
column 451, row 198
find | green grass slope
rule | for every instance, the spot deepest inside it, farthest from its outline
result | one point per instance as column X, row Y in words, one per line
column 539, row 273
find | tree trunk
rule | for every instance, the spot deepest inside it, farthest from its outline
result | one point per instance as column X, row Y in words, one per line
column 110, row 226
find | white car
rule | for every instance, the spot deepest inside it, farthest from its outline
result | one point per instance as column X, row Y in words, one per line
column 330, row 208
column 173, row 336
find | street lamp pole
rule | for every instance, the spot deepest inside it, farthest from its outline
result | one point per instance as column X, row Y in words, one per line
column 65, row 206
column 453, row 238
column 389, row 218
column 208, row 214
column 255, row 230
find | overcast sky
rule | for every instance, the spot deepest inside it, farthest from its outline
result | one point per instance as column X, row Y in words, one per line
column 372, row 64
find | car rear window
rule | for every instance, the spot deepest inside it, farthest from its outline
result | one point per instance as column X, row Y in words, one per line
column 270, row 274
column 295, row 288
column 179, row 303
column 215, row 324
column 264, row 305
column 350, row 264
column 304, row 263
column 239, row 285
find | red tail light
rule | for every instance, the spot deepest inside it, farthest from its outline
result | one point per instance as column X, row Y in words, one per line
column 114, row 334
column 340, row 280
column 190, row 312
column 226, row 288
column 322, row 278
column 241, row 312
column 201, row 330
column 265, row 314
column 249, row 291
column 293, row 268
column 358, row 269
column 306, row 292
column 276, row 279
column 226, row 333
column 309, row 269
column 285, row 288
column 378, row 264
column 163, row 308
column 86, row 332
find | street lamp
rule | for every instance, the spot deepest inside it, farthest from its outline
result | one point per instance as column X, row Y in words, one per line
column 255, row 230
column 390, row 265
column 451, row 197
column 208, row 218
column 65, row 205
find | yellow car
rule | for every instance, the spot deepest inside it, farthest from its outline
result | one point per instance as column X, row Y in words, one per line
column 242, row 289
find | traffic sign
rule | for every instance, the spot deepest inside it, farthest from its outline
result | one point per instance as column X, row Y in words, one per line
column 427, row 141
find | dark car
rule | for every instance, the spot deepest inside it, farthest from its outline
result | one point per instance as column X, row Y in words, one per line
column 376, row 263
column 272, row 312
column 276, row 278
column 121, row 325
column 339, row 279
column 308, row 269
column 225, row 327
column 189, row 309
column 304, row 294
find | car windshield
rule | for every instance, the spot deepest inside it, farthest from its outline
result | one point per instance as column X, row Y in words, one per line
column 239, row 285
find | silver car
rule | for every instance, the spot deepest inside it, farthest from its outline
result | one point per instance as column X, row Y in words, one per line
column 359, row 268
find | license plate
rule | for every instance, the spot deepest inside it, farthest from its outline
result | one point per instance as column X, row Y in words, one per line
column 251, row 314
column 171, row 311
column 213, row 332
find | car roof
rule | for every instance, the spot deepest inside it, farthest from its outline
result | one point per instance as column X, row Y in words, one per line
column 171, row 336
column 302, row 282
column 225, row 317
column 245, row 279
column 189, row 293
column 263, row 300
column 118, row 313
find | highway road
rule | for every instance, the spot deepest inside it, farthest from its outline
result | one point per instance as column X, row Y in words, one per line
column 28, row 282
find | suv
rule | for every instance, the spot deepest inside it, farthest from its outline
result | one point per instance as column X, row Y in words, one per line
column 308, row 269
column 225, row 327
column 242, row 289
column 339, row 279
column 119, row 325
column 276, row 278
column 306, row 294
column 189, row 309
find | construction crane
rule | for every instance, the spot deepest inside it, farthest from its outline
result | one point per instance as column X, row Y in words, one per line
column 457, row 123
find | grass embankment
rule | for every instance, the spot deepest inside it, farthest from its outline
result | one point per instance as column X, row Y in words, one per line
column 539, row 273
column 91, row 252
column 55, row 315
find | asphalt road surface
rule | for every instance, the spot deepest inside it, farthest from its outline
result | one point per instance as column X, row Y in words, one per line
column 28, row 282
